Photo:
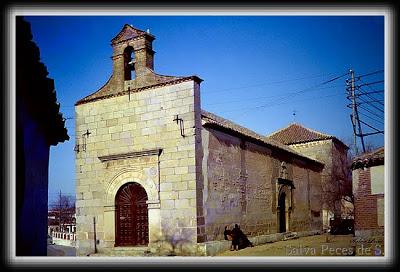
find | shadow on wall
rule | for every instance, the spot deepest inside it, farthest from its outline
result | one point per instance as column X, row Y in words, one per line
column 175, row 241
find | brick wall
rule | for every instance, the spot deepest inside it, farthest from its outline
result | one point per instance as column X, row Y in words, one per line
column 365, row 204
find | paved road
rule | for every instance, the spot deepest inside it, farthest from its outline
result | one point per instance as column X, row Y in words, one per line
column 57, row 250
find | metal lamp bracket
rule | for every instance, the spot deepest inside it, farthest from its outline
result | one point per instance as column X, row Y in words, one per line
column 181, row 124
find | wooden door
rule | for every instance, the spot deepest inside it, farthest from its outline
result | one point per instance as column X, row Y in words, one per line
column 131, row 216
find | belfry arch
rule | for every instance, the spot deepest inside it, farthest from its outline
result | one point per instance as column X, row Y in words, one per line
column 129, row 63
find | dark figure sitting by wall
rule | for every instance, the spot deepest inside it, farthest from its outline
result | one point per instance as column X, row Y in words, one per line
column 239, row 239
column 228, row 235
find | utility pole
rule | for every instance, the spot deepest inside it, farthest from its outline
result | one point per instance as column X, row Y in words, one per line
column 355, row 117
column 356, row 106
column 353, row 107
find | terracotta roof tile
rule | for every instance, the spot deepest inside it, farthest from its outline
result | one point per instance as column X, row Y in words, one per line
column 212, row 119
column 373, row 158
column 296, row 133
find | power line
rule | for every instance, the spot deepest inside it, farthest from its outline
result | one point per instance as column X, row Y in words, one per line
column 379, row 131
column 367, row 100
column 368, row 116
column 265, row 83
column 374, row 113
column 371, row 83
column 273, row 104
column 375, row 107
column 368, row 95
column 263, row 97
column 371, row 102
column 372, row 73
column 288, row 96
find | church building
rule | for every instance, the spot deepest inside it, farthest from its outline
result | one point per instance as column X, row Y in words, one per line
column 155, row 173
column 335, row 177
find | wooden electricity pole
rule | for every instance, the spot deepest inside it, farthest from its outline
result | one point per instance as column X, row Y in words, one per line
column 355, row 117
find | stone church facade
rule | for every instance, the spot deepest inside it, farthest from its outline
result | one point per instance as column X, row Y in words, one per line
column 155, row 172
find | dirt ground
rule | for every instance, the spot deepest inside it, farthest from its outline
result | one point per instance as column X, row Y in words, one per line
column 317, row 245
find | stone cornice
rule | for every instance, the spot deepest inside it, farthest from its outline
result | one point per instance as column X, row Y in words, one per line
column 120, row 55
column 154, row 86
column 129, row 155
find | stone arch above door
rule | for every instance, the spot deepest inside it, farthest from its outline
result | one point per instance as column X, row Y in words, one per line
column 121, row 178
column 126, row 176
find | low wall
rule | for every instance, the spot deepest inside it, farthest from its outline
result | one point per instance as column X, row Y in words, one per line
column 64, row 239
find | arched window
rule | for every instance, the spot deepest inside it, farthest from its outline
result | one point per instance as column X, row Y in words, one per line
column 129, row 63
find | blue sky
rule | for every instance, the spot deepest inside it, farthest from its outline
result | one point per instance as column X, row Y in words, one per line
column 257, row 70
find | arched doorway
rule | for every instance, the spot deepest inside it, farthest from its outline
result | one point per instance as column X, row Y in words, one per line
column 282, row 212
column 131, row 217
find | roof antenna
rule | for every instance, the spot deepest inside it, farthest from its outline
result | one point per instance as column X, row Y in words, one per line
column 294, row 116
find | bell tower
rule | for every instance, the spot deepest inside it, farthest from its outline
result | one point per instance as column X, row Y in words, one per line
column 133, row 65
column 133, row 56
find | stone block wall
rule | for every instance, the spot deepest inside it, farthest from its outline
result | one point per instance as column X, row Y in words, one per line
column 240, row 187
column 334, row 156
column 138, row 124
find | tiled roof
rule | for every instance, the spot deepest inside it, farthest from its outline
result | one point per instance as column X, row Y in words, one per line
column 214, row 120
column 296, row 133
column 373, row 158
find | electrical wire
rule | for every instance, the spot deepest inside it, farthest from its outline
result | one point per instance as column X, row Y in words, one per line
column 372, row 73
column 370, row 126
column 375, row 107
column 376, row 114
column 264, row 83
column 368, row 116
column 263, row 97
column 371, row 83
column 371, row 97
column 291, row 95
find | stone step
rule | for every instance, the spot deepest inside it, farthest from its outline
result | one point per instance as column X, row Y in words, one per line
column 124, row 251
